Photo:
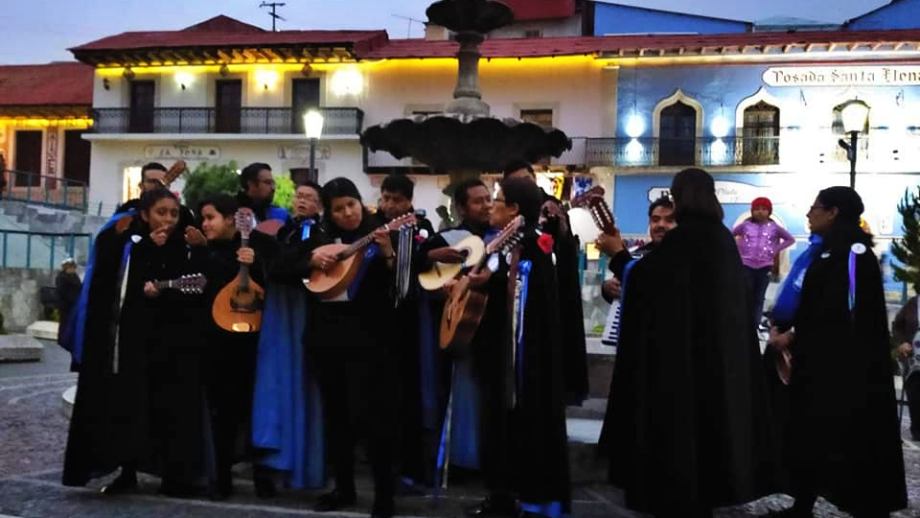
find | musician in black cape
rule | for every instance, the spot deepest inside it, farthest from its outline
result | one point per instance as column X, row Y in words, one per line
column 843, row 441
column 153, row 175
column 348, row 339
column 396, row 192
column 687, row 428
column 230, row 369
column 524, row 388
column 555, row 221
column 139, row 402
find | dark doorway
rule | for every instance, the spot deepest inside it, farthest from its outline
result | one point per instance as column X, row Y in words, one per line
column 76, row 156
column 229, row 105
column 677, row 135
column 142, row 97
column 28, row 158
column 304, row 96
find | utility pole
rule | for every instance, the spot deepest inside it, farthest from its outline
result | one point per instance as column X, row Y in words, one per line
column 275, row 16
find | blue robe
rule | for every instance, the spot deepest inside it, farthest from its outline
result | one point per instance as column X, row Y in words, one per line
column 287, row 417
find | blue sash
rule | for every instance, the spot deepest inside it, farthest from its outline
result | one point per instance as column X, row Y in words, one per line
column 790, row 294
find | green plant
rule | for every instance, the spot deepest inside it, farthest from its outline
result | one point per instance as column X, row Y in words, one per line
column 208, row 180
column 907, row 249
column 284, row 192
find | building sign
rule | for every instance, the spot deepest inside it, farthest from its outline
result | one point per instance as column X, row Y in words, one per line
column 884, row 75
column 727, row 192
column 302, row 152
column 182, row 151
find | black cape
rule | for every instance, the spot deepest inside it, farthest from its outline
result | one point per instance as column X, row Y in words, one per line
column 540, row 462
column 844, row 441
column 574, row 358
column 687, row 421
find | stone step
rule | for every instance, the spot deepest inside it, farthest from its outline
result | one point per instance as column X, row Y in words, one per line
column 43, row 329
column 20, row 348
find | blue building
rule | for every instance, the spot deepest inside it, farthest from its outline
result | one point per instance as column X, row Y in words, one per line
column 763, row 112
column 899, row 14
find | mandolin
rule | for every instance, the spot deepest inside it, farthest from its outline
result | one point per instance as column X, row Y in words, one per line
column 192, row 284
column 440, row 274
column 593, row 200
column 465, row 305
column 334, row 280
column 174, row 172
column 238, row 305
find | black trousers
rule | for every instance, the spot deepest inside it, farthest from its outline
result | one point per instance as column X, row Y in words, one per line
column 230, row 387
column 357, row 391
column 912, row 386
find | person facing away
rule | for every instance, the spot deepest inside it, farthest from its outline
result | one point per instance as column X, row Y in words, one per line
column 257, row 192
column 843, row 439
column 554, row 220
column 67, row 286
column 687, row 428
column 904, row 335
column 760, row 240
column 660, row 221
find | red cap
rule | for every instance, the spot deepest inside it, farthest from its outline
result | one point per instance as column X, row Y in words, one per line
column 762, row 203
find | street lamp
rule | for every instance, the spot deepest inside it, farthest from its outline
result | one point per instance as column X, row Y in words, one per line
column 854, row 115
column 313, row 127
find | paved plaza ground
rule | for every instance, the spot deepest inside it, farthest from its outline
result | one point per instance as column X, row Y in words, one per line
column 33, row 431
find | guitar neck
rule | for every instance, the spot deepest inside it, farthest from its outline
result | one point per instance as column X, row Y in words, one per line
column 244, row 268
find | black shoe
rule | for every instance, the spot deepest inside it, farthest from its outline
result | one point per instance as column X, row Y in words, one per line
column 122, row 484
column 492, row 507
column 334, row 500
column 265, row 487
column 383, row 510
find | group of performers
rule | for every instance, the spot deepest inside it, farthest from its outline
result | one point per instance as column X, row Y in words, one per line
column 473, row 368
column 166, row 387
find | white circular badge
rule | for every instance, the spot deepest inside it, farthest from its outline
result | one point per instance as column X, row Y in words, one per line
column 858, row 248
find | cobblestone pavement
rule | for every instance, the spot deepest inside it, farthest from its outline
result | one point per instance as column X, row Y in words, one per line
column 33, row 431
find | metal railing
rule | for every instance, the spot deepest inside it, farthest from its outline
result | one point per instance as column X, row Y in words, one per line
column 338, row 121
column 643, row 152
column 44, row 189
column 24, row 249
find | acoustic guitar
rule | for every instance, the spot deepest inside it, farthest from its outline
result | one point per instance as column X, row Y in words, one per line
column 192, row 284
column 466, row 305
column 238, row 306
column 335, row 279
column 174, row 172
column 440, row 274
column 593, row 201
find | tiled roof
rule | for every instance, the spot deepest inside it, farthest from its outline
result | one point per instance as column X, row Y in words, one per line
column 525, row 10
column 54, row 84
column 534, row 47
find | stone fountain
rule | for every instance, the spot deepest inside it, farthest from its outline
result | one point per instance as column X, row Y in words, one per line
column 466, row 138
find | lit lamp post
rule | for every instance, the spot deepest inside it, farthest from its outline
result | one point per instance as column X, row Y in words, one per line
column 313, row 127
column 854, row 116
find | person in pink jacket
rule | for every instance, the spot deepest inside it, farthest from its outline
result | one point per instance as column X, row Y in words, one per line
column 760, row 240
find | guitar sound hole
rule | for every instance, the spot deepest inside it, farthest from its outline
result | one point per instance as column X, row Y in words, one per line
column 245, row 301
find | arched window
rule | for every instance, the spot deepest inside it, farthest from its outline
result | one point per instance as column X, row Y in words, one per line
column 761, row 135
column 677, row 135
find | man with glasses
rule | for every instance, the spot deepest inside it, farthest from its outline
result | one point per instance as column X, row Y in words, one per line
column 257, row 191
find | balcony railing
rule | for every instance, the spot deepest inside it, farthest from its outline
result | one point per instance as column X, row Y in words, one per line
column 644, row 152
column 43, row 189
column 883, row 149
column 257, row 121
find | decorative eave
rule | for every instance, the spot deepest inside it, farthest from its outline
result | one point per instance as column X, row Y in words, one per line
column 64, row 111
column 218, row 55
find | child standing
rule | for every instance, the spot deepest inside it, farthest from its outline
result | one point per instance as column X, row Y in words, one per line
column 760, row 240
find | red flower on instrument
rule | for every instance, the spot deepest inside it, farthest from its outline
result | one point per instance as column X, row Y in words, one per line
column 545, row 242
